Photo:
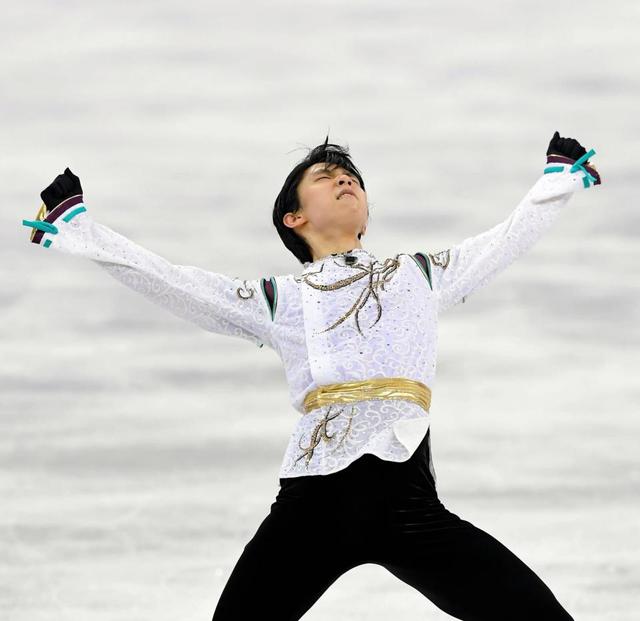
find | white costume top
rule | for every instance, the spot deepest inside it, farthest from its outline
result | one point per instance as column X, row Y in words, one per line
column 334, row 322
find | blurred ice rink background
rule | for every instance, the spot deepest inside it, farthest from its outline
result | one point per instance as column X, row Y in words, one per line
column 140, row 453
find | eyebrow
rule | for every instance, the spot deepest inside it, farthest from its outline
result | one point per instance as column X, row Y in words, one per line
column 327, row 170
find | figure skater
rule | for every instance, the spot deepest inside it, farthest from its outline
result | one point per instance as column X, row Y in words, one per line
column 357, row 338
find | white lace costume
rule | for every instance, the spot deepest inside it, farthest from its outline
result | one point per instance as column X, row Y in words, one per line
column 336, row 321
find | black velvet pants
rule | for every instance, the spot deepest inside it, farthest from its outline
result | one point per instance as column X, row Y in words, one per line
column 387, row 513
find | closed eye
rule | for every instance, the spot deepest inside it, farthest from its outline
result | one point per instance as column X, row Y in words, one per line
column 325, row 177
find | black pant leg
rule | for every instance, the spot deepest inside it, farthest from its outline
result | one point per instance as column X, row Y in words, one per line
column 285, row 567
column 472, row 576
column 462, row 569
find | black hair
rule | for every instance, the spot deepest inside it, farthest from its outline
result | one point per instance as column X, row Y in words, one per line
column 287, row 200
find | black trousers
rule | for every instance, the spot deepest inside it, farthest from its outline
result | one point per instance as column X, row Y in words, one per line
column 387, row 513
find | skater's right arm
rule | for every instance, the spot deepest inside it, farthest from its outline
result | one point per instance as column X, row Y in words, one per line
column 215, row 302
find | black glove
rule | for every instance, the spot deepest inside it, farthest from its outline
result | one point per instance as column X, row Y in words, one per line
column 63, row 186
column 569, row 147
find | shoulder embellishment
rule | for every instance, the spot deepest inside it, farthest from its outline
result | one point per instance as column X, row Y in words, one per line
column 441, row 258
column 423, row 262
column 248, row 293
column 270, row 291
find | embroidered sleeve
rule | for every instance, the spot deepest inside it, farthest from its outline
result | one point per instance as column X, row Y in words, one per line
column 467, row 266
column 213, row 301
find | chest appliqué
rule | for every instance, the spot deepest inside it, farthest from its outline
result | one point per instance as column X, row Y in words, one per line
column 374, row 276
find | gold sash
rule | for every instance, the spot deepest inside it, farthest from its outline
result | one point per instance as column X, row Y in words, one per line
column 377, row 388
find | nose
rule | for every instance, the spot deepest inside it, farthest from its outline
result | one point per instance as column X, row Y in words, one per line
column 344, row 178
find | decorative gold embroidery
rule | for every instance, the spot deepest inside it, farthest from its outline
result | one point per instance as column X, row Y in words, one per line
column 320, row 433
column 441, row 258
column 248, row 288
column 377, row 277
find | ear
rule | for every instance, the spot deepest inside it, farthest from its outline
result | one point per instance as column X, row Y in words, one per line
column 293, row 220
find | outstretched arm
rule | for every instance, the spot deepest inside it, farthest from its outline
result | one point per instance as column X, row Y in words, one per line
column 215, row 302
column 465, row 267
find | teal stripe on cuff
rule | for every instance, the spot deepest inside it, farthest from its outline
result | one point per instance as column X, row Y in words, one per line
column 578, row 163
column 47, row 227
column 74, row 213
column 587, row 179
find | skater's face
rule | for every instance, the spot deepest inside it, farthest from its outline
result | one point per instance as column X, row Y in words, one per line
column 333, row 205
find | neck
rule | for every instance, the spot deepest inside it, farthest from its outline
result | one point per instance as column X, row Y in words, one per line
column 323, row 250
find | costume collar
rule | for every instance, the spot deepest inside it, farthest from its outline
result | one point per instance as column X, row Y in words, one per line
column 360, row 253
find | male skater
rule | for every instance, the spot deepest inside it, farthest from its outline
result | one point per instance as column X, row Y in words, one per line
column 357, row 337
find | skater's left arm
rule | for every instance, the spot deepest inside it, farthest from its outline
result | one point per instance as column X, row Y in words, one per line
column 465, row 267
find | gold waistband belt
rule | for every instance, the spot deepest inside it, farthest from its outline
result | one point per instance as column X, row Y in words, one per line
column 377, row 388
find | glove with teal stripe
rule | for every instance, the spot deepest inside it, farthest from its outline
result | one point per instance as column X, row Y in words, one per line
column 570, row 151
column 62, row 196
